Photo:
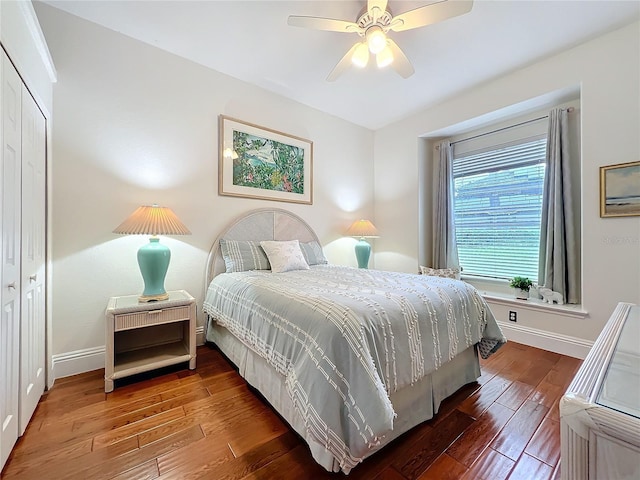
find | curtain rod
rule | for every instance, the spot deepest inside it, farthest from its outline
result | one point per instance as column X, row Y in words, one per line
column 569, row 109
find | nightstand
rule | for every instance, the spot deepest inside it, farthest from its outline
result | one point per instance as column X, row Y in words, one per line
column 145, row 336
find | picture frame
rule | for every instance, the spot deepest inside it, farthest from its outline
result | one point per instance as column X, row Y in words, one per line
column 262, row 163
column 620, row 190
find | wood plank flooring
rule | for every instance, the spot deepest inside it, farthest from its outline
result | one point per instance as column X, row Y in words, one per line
column 208, row 424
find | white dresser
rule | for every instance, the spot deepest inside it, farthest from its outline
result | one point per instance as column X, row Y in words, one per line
column 600, row 413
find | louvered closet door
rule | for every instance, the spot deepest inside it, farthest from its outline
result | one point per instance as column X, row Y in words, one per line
column 32, row 308
column 10, row 104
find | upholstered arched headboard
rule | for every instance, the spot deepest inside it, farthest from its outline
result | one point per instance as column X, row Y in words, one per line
column 257, row 225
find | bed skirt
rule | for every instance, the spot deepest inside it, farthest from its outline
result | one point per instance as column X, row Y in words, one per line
column 413, row 405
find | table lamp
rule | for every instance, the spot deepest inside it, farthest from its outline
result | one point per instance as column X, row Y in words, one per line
column 363, row 229
column 153, row 258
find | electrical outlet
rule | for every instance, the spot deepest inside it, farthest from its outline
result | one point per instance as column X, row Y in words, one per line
column 513, row 316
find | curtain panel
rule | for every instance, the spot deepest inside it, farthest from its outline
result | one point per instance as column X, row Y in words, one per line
column 445, row 250
column 559, row 267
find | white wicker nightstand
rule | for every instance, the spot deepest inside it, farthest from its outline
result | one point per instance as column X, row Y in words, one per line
column 145, row 336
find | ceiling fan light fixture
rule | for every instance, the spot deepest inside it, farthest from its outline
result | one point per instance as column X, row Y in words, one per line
column 385, row 57
column 376, row 39
column 372, row 26
column 360, row 56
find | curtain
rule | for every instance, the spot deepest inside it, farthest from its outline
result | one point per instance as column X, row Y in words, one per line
column 445, row 250
column 559, row 263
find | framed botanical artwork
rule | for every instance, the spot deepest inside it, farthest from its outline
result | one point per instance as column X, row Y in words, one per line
column 620, row 190
column 258, row 162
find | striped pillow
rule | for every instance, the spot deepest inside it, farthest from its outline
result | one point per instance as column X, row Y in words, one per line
column 243, row 255
column 313, row 253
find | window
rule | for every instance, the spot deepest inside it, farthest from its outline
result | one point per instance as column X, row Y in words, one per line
column 497, row 208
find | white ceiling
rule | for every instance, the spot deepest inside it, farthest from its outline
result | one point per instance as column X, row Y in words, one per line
column 251, row 41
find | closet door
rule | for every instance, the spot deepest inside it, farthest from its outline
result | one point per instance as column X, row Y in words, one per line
column 10, row 104
column 32, row 308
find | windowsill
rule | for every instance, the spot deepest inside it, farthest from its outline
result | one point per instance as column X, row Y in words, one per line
column 575, row 311
column 498, row 291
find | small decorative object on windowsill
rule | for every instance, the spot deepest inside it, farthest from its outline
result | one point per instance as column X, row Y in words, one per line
column 549, row 296
column 154, row 257
column 363, row 229
column 522, row 286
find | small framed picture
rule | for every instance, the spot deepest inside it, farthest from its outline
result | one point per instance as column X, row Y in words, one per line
column 257, row 162
column 620, row 190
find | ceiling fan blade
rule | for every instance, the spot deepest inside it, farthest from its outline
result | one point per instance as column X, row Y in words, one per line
column 318, row 23
column 401, row 63
column 381, row 4
column 429, row 14
column 342, row 64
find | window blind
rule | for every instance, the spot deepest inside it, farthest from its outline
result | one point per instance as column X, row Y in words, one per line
column 497, row 209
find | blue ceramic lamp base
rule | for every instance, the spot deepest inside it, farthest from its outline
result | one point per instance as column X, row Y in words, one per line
column 153, row 259
column 363, row 250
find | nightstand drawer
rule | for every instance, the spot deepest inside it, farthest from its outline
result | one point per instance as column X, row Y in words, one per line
column 128, row 321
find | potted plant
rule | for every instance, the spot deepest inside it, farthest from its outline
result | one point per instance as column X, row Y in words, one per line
column 522, row 286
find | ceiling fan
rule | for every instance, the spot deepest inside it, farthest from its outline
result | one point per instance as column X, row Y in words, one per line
column 374, row 24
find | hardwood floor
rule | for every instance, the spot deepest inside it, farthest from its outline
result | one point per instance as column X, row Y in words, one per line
column 208, row 424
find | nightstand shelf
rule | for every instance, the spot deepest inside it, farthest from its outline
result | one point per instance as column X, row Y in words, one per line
column 137, row 361
column 145, row 336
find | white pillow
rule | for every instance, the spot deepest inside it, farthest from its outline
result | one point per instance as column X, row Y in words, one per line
column 284, row 256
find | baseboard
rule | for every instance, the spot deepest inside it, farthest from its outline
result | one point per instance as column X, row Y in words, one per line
column 554, row 342
column 79, row 361
column 200, row 340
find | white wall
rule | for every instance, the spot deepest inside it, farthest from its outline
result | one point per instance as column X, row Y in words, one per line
column 136, row 125
column 607, row 72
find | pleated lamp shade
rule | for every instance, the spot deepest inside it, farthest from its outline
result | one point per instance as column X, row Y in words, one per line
column 363, row 229
column 153, row 258
column 152, row 220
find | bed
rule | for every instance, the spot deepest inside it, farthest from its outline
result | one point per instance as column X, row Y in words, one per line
column 350, row 358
